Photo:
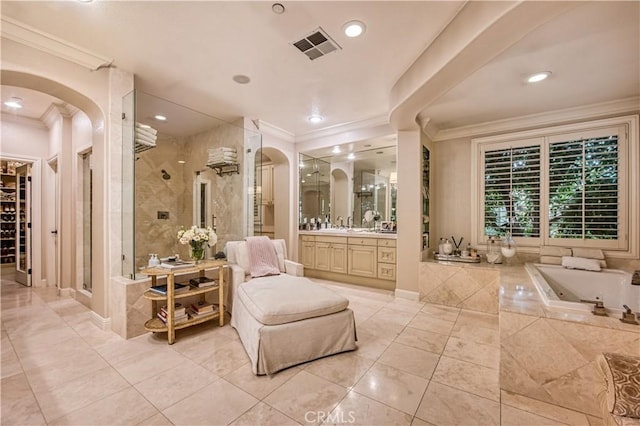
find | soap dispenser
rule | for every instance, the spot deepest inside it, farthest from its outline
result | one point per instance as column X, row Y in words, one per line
column 447, row 247
column 153, row 260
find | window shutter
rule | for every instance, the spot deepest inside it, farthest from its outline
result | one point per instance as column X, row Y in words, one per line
column 512, row 191
column 583, row 188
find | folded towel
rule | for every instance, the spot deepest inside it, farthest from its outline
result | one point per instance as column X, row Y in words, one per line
column 213, row 163
column 146, row 129
column 263, row 257
column 145, row 139
column 573, row 262
column 588, row 253
column 555, row 251
column 144, row 142
column 228, row 156
column 551, row 260
column 222, row 149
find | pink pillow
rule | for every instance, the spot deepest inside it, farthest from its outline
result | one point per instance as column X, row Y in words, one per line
column 262, row 257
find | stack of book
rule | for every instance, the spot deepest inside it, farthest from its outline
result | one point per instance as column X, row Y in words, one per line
column 179, row 314
column 202, row 282
column 202, row 309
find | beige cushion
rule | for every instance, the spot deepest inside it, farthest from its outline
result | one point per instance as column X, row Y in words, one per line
column 283, row 298
column 622, row 379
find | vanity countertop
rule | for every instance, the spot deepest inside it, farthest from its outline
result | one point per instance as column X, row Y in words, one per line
column 349, row 233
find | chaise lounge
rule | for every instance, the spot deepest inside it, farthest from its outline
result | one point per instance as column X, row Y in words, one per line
column 283, row 318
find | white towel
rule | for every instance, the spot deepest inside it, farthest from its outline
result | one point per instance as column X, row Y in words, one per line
column 573, row 262
column 222, row 158
column 145, row 133
column 588, row 253
column 212, row 163
column 146, row 128
column 143, row 142
column 150, row 139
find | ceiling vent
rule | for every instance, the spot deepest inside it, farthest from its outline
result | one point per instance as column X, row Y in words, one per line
column 316, row 44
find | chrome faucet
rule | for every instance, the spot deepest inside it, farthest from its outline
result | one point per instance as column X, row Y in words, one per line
column 341, row 220
column 349, row 222
column 628, row 317
column 635, row 278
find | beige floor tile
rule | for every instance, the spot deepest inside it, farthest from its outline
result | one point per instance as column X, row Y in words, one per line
column 362, row 312
column 419, row 422
column 443, row 405
column 370, row 344
column 122, row 408
column 343, row 369
column 9, row 362
column 421, row 339
column 477, row 334
column 226, row 359
column 478, row 319
column 119, row 350
column 67, row 307
column 392, row 387
column 595, row 421
column 42, row 339
column 356, row 409
column 477, row 353
column 170, row 386
column 405, row 305
column 381, row 328
column 473, row 378
column 306, row 393
column 576, row 390
column 264, row 415
column 514, row 417
column 218, row 403
column 409, row 359
column 148, row 364
column 259, row 386
column 19, row 406
column 447, row 313
column 90, row 333
column 543, row 409
column 156, row 420
column 79, row 393
column 430, row 323
column 55, row 353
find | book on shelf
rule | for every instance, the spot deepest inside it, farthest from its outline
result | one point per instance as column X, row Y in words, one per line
column 176, row 319
column 178, row 309
column 202, row 282
column 202, row 308
column 177, row 289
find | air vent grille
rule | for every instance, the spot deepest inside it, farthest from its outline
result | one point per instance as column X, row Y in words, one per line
column 316, row 44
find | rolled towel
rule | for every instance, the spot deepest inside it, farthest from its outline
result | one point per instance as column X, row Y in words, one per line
column 588, row 253
column 146, row 128
column 145, row 133
column 150, row 139
column 144, row 142
column 551, row 260
column 555, row 251
column 573, row 262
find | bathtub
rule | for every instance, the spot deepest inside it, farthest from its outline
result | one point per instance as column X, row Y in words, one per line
column 564, row 288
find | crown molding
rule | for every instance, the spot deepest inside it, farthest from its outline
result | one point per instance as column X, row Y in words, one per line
column 275, row 131
column 343, row 128
column 427, row 126
column 548, row 118
column 32, row 37
column 53, row 112
column 23, row 121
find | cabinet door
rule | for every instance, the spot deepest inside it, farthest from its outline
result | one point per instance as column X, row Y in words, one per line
column 387, row 271
column 387, row 254
column 308, row 254
column 323, row 256
column 362, row 261
column 338, row 259
column 267, row 184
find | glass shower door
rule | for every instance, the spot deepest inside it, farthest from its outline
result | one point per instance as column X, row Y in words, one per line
column 23, row 225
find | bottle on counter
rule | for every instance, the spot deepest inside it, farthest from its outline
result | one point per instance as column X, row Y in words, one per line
column 441, row 246
column 447, row 247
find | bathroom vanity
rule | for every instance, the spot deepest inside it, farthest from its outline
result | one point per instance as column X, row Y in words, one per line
column 355, row 257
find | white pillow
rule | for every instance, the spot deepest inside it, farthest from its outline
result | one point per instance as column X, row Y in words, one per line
column 238, row 253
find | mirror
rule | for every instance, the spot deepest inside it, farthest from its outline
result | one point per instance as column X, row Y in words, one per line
column 361, row 180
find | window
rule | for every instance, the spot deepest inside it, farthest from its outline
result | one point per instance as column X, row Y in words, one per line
column 567, row 186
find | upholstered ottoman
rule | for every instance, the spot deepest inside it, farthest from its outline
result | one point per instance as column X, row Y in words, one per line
column 620, row 395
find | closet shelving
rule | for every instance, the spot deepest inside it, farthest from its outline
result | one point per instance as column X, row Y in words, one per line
column 8, row 214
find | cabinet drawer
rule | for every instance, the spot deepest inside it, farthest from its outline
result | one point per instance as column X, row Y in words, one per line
column 328, row 239
column 387, row 254
column 387, row 271
column 363, row 241
column 386, row 243
column 307, row 237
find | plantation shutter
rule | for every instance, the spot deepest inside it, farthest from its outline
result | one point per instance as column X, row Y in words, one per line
column 583, row 188
column 512, row 191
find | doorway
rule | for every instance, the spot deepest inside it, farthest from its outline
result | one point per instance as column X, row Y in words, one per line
column 23, row 224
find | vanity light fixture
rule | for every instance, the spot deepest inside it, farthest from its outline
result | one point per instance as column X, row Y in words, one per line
column 336, row 150
column 160, row 117
column 315, row 118
column 14, row 102
column 351, row 156
column 538, row 77
column 354, row 28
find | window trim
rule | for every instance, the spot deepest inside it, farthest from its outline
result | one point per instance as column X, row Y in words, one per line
column 628, row 176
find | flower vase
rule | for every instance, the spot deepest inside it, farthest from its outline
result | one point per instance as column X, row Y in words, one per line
column 197, row 252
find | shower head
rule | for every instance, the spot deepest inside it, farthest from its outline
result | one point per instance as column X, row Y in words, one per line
column 165, row 175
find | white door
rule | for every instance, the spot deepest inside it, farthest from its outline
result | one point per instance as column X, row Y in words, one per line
column 23, row 225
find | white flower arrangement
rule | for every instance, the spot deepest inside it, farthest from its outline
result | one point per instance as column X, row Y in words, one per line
column 198, row 236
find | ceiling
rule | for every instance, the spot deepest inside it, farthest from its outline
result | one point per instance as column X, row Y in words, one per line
column 34, row 103
column 188, row 52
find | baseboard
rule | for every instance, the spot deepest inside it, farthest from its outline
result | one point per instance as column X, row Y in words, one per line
column 407, row 294
column 67, row 292
column 100, row 322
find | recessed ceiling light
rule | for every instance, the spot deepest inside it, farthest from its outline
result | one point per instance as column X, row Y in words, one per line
column 308, row 174
column 354, row 28
column 539, row 76
column 315, row 118
column 85, row 1
column 241, row 79
column 351, row 156
column 302, row 181
column 14, row 102
column 181, row 161
column 160, row 117
column 278, row 8
column 336, row 150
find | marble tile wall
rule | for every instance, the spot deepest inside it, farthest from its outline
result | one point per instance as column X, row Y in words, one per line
column 462, row 286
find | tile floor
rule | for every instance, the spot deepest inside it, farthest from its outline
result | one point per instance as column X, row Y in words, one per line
column 417, row 363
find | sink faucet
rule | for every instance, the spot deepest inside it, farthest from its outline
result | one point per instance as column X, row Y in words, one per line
column 635, row 278
column 339, row 218
column 349, row 222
